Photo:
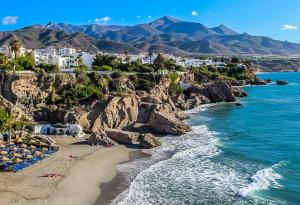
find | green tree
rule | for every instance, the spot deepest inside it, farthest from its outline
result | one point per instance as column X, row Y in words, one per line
column 108, row 60
column 25, row 63
column 15, row 46
column 3, row 59
column 235, row 60
column 160, row 61
column 103, row 68
column 5, row 120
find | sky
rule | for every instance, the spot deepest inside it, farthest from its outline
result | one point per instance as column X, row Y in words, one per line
column 279, row 19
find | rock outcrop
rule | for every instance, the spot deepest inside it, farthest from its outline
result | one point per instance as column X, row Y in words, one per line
column 119, row 112
column 239, row 92
column 101, row 139
column 217, row 91
column 164, row 123
column 282, row 82
column 190, row 102
column 148, row 141
column 122, row 137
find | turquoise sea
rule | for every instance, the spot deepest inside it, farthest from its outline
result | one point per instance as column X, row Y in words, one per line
column 234, row 155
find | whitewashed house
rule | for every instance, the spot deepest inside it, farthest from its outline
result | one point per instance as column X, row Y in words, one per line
column 87, row 59
column 59, row 129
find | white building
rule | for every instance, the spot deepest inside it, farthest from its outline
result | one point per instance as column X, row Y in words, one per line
column 67, row 52
column 65, row 58
column 5, row 51
column 87, row 59
column 59, row 129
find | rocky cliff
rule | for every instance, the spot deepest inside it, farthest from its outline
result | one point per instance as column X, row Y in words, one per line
column 130, row 117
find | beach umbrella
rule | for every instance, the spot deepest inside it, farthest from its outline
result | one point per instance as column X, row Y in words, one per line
column 19, row 140
column 2, row 152
column 33, row 142
column 2, row 146
column 13, row 149
column 32, row 147
column 25, row 150
column 5, row 159
column 10, row 143
column 2, row 142
column 23, row 145
column 17, row 160
column 45, row 149
column 16, row 155
column 28, row 157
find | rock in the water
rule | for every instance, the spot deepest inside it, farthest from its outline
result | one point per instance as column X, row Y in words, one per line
column 164, row 123
column 239, row 92
column 148, row 141
column 221, row 92
column 256, row 81
column 218, row 91
column 282, row 82
column 122, row 137
column 238, row 104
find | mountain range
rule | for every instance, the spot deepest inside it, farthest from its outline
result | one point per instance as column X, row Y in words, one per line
column 166, row 35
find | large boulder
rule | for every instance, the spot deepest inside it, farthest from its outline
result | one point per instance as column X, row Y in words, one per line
column 122, row 137
column 239, row 92
column 190, row 102
column 217, row 91
column 165, row 123
column 220, row 91
column 100, row 138
column 120, row 111
column 148, row 141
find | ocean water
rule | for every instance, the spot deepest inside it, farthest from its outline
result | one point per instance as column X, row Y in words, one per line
column 233, row 155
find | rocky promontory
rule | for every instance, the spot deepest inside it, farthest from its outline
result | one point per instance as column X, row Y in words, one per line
column 127, row 112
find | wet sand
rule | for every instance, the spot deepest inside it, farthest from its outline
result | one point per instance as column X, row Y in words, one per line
column 110, row 190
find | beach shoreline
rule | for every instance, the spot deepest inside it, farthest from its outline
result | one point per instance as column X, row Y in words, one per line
column 113, row 188
column 79, row 181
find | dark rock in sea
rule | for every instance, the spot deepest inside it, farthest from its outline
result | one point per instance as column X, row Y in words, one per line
column 238, row 82
column 257, row 81
column 217, row 91
column 239, row 92
column 269, row 80
column 282, row 82
column 238, row 104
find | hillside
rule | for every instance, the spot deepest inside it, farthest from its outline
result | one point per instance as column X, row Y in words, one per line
column 166, row 34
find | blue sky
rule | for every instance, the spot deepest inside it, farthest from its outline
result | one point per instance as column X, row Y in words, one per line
column 278, row 19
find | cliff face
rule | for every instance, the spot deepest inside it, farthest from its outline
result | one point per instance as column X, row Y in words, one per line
column 129, row 114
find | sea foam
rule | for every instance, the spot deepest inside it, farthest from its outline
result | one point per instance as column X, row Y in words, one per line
column 262, row 180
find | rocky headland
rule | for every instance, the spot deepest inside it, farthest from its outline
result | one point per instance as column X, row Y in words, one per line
column 126, row 113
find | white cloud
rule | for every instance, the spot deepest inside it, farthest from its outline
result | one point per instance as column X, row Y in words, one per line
column 10, row 20
column 289, row 27
column 103, row 19
column 194, row 13
column 149, row 17
column 139, row 17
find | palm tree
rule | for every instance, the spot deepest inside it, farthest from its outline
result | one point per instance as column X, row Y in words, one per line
column 15, row 46
column 3, row 59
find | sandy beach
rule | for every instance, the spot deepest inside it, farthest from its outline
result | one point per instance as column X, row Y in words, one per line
column 79, row 180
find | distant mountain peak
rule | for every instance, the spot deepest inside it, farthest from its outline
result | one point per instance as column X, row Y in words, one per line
column 224, row 30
